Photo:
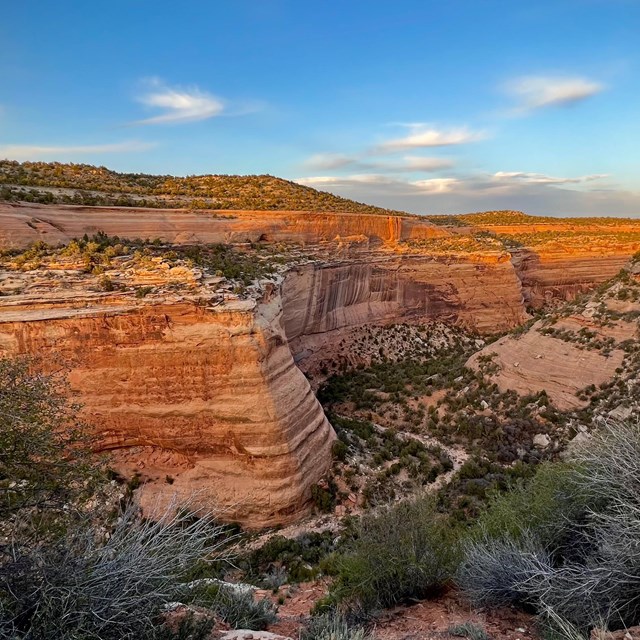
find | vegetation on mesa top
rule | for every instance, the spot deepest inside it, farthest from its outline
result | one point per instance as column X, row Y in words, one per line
column 58, row 183
column 518, row 218
column 485, row 231
column 110, row 257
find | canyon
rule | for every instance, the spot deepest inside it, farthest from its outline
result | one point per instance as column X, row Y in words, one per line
column 201, row 390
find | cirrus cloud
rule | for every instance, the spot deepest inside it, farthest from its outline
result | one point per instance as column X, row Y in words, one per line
column 381, row 183
column 536, row 92
column 524, row 177
column 408, row 164
column 422, row 136
column 178, row 105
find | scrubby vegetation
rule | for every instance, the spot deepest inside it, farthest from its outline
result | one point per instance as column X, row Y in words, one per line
column 399, row 553
column 333, row 626
column 468, row 630
column 89, row 584
column 518, row 218
column 437, row 400
column 577, row 558
column 514, row 524
column 401, row 464
column 117, row 264
column 513, row 230
column 288, row 561
column 54, row 182
column 476, row 242
column 45, row 459
column 77, row 557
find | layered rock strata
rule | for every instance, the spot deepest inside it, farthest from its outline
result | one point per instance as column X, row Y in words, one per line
column 23, row 224
column 217, row 387
column 321, row 301
column 557, row 276
column 208, row 400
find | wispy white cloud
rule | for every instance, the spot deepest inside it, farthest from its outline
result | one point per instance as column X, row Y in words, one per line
column 380, row 182
column 436, row 185
column 30, row 152
column 353, row 179
column 330, row 161
column 471, row 192
column 422, row 136
column 536, row 92
column 532, row 192
column 541, row 179
column 178, row 105
column 414, row 163
column 408, row 164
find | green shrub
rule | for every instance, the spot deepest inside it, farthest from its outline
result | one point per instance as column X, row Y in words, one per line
column 332, row 626
column 579, row 563
column 498, row 572
column 468, row 630
column 190, row 627
column 237, row 607
column 404, row 551
column 548, row 504
column 45, row 457
column 83, row 586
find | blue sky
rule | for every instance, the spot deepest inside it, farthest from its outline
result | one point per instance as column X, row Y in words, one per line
column 431, row 107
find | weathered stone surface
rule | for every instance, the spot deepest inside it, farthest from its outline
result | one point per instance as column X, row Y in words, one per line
column 322, row 300
column 560, row 276
column 219, row 388
column 541, row 440
column 22, row 224
column 534, row 362
column 210, row 400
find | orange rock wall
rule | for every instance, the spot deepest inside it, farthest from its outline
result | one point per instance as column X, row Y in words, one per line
column 320, row 300
column 547, row 277
column 219, row 388
column 23, row 224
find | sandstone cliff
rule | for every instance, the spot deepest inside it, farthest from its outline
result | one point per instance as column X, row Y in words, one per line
column 321, row 301
column 23, row 224
column 217, row 387
column 547, row 276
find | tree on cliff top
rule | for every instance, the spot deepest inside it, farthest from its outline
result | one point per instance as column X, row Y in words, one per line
column 45, row 450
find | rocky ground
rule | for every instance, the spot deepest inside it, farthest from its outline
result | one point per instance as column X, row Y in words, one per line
column 426, row 620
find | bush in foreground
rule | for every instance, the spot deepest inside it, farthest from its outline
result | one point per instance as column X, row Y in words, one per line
column 45, row 454
column 577, row 560
column 84, row 586
column 236, row 606
column 402, row 552
column 333, row 626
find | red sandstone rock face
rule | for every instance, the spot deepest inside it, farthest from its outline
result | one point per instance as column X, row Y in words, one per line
column 548, row 277
column 321, row 301
column 23, row 224
column 534, row 362
column 214, row 394
column 219, row 388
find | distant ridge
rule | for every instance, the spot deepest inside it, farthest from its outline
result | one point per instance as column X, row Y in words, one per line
column 84, row 184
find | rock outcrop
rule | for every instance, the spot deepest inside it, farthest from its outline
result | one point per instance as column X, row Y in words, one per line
column 535, row 362
column 322, row 300
column 559, row 276
column 217, row 388
column 23, row 224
